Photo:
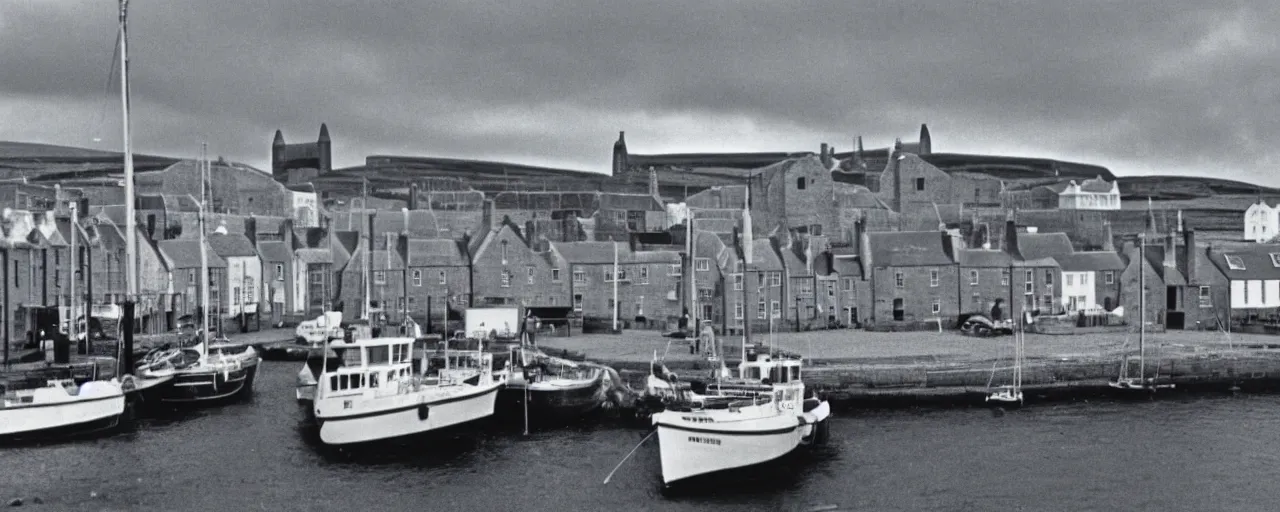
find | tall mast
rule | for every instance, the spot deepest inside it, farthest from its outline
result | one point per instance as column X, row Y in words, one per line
column 74, row 261
column 204, row 254
column 131, row 241
column 746, row 263
column 690, row 249
column 364, row 203
column 1142, row 307
column 615, row 286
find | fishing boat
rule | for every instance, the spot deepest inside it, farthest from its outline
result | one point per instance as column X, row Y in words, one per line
column 61, row 409
column 376, row 395
column 760, row 414
column 546, row 388
column 1141, row 382
column 209, row 372
column 1010, row 395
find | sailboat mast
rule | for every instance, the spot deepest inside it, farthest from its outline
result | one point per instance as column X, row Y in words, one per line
column 131, row 241
column 747, row 248
column 74, row 261
column 364, row 267
column 615, row 286
column 204, row 253
column 690, row 249
column 1142, row 307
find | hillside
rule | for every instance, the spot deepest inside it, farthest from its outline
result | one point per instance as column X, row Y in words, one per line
column 46, row 162
column 1187, row 187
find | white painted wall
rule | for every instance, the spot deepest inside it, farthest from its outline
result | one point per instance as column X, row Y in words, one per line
column 238, row 269
column 1079, row 284
column 1255, row 293
column 299, row 286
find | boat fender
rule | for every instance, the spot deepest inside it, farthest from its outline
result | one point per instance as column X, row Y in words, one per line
column 423, row 412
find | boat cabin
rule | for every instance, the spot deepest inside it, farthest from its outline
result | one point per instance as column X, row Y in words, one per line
column 372, row 364
column 767, row 370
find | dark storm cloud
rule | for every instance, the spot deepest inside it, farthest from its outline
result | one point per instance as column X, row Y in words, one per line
column 1170, row 87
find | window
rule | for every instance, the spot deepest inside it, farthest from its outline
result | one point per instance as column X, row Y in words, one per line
column 1275, row 259
column 1206, row 300
column 1245, row 288
column 249, row 296
column 919, row 183
column 316, row 277
column 675, row 270
column 506, row 279
column 704, row 264
column 635, row 220
column 848, row 284
column 644, row 274
column 191, row 277
column 815, row 229
column 504, row 252
column 775, row 309
column 1029, row 284
column 800, row 183
column 933, row 277
column 973, row 277
column 737, row 281
column 760, row 311
column 579, row 277
column 775, row 279
column 737, row 310
column 831, row 288
column 379, row 277
column 279, row 272
column 898, row 313
column 577, row 302
column 1004, row 277
column 529, row 270
column 608, row 274
column 1084, row 279
column 1234, row 262
column 443, row 280
column 417, row 277
column 555, row 275
column 937, row 306
column 1048, row 302
column 1070, row 279
column 977, row 193
column 235, row 292
column 898, row 281
column 1109, row 277
column 640, row 305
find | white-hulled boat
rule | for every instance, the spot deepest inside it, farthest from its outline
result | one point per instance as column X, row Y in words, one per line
column 61, row 409
column 760, row 415
column 375, row 395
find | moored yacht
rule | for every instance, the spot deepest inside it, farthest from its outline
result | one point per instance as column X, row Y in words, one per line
column 376, row 394
column 756, row 416
column 546, row 388
column 203, row 374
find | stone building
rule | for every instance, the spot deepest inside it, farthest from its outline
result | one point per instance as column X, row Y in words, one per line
column 913, row 278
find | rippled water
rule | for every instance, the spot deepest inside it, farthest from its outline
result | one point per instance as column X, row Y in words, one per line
column 1184, row 453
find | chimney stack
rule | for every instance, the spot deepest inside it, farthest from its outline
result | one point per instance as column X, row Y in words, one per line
column 653, row 184
column 487, row 217
column 1170, row 245
column 413, row 196
column 1108, row 244
column 1011, row 239
column 825, row 156
column 897, row 176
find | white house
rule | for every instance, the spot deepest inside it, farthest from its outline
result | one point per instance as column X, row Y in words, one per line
column 1261, row 222
column 244, row 273
column 304, row 208
column 1094, row 194
column 1254, row 274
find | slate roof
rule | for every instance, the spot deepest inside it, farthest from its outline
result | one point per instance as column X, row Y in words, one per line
column 907, row 249
column 420, row 223
column 846, row 266
column 275, row 251
column 382, row 260
column 1171, row 276
column 595, row 253
column 1258, row 262
column 230, row 245
column 983, row 258
column 185, row 253
column 763, row 257
column 1090, row 261
column 1044, row 245
column 312, row 255
column 643, row 202
column 436, row 252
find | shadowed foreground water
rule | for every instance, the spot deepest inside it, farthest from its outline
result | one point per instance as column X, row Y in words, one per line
column 1188, row 453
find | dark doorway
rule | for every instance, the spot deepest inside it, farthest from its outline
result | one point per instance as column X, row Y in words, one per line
column 1171, row 299
column 1106, row 303
column 898, row 313
column 1175, row 320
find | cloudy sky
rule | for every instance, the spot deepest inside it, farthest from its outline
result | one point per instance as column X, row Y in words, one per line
column 1167, row 87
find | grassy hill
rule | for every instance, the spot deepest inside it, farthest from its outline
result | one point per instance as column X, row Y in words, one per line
column 47, row 162
column 1187, row 187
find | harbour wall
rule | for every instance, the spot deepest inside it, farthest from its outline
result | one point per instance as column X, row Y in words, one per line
column 910, row 383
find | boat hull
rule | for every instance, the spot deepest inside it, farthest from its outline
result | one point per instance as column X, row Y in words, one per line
column 61, row 420
column 408, row 419
column 689, row 452
column 208, row 386
column 551, row 404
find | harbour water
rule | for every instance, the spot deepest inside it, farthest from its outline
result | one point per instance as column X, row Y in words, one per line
column 1188, row 452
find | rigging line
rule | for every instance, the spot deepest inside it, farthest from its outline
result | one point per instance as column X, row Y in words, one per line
column 106, row 88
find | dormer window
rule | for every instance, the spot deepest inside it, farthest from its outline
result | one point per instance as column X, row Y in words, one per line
column 1275, row 259
column 1235, row 263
